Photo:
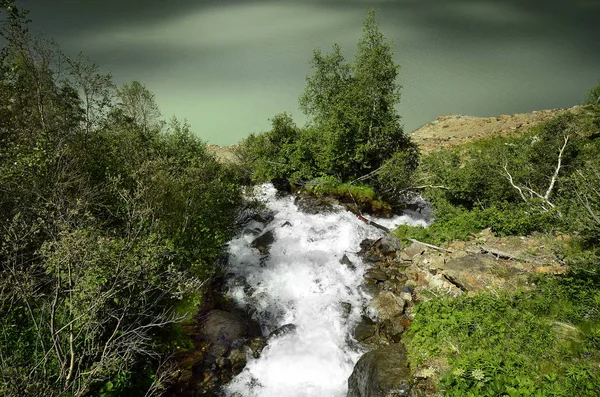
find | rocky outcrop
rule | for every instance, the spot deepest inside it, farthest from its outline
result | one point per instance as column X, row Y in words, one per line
column 381, row 373
column 400, row 277
column 453, row 130
column 222, row 342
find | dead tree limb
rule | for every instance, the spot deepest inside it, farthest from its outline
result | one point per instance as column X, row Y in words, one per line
column 532, row 193
column 374, row 224
column 435, row 247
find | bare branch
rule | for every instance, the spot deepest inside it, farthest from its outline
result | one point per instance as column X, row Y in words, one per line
column 557, row 170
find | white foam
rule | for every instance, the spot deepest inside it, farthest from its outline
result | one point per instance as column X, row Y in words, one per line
column 303, row 283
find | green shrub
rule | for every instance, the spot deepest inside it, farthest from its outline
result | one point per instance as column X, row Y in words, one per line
column 541, row 342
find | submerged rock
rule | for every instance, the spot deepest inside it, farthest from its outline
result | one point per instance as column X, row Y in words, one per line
column 263, row 242
column 346, row 261
column 381, row 373
column 283, row 330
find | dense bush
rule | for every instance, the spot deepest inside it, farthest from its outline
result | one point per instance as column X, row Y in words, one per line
column 353, row 127
column 109, row 226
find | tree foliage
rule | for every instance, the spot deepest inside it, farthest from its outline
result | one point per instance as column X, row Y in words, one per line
column 108, row 225
column 353, row 124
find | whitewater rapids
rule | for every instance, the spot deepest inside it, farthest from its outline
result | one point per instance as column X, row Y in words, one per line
column 302, row 282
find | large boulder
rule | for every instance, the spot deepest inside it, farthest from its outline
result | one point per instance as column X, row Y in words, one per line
column 381, row 373
column 222, row 326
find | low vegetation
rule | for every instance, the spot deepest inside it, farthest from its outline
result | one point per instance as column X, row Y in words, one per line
column 543, row 342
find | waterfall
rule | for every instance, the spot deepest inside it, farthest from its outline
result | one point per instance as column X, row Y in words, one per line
column 302, row 282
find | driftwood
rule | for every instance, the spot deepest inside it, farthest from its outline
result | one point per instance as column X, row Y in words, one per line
column 430, row 245
column 505, row 255
column 374, row 224
column 500, row 254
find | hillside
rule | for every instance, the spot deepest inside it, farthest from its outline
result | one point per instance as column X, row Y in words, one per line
column 449, row 130
column 452, row 130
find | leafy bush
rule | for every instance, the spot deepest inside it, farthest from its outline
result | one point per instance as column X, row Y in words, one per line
column 593, row 96
column 109, row 226
column 353, row 126
column 363, row 198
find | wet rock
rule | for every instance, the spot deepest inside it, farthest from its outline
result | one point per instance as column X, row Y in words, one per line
column 315, row 205
column 263, row 242
column 283, row 330
column 381, row 373
column 221, row 327
column 370, row 289
column 376, row 274
column 346, row 309
column 256, row 345
column 346, row 261
column 365, row 329
column 223, row 363
column 387, row 305
column 366, row 245
column 237, row 360
column 263, row 218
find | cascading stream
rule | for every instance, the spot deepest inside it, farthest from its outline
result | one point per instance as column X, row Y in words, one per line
column 302, row 282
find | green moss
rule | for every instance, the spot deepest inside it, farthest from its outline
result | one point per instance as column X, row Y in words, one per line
column 362, row 196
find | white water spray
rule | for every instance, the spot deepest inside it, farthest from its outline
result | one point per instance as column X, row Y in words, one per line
column 303, row 283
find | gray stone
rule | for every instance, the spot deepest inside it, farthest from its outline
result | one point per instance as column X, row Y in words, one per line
column 389, row 245
column 436, row 262
column 263, row 242
column 364, row 329
column 387, row 305
column 283, row 330
column 346, row 261
column 376, row 274
column 413, row 249
column 381, row 373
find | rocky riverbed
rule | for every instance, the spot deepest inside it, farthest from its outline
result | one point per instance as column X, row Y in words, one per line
column 365, row 291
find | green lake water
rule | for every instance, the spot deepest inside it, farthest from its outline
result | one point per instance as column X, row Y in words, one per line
column 228, row 66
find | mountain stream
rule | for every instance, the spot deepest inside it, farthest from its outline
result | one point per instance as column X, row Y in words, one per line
column 301, row 281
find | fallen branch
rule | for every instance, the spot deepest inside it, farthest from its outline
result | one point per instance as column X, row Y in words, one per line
column 500, row 254
column 374, row 224
column 430, row 245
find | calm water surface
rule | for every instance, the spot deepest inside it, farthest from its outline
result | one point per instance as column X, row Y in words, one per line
column 228, row 66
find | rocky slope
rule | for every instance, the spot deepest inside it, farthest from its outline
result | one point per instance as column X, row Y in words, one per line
column 453, row 130
column 400, row 278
